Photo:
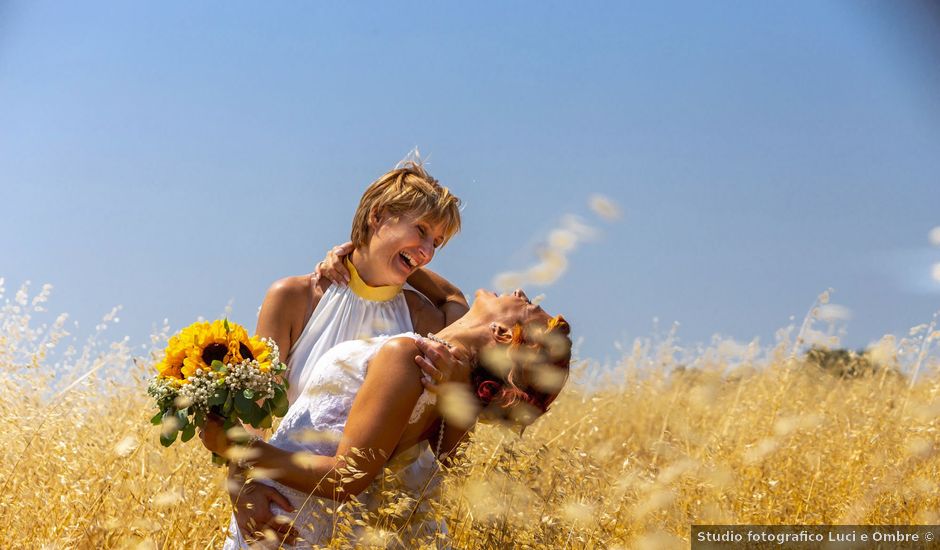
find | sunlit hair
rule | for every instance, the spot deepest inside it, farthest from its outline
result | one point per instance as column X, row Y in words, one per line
column 534, row 349
column 408, row 189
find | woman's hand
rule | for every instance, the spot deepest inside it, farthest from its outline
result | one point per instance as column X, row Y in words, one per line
column 251, row 504
column 332, row 267
column 441, row 364
column 214, row 436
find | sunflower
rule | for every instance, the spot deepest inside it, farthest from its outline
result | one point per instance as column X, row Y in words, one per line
column 174, row 356
column 237, row 345
column 209, row 342
column 201, row 343
column 242, row 347
column 261, row 352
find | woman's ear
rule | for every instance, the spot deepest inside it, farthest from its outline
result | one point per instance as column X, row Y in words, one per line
column 501, row 333
column 375, row 218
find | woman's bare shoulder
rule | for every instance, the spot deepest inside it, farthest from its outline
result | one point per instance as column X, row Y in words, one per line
column 297, row 288
column 398, row 345
column 395, row 354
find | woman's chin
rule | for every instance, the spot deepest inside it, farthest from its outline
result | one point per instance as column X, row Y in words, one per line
column 400, row 272
column 401, row 275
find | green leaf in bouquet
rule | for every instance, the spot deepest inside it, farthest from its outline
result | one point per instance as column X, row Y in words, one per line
column 229, row 422
column 167, row 440
column 248, row 410
column 199, row 419
column 280, row 403
column 248, row 394
column 266, row 422
column 182, row 416
column 226, row 325
column 188, row 432
column 219, row 397
column 157, row 418
column 228, row 406
column 170, row 428
column 219, row 366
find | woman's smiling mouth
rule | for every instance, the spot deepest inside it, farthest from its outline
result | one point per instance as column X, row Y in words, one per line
column 409, row 262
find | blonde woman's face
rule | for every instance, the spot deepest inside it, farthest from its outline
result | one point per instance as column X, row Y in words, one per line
column 403, row 244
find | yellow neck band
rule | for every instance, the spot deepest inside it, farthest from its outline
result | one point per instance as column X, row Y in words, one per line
column 366, row 292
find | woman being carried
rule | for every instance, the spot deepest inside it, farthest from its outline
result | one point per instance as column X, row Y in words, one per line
column 520, row 358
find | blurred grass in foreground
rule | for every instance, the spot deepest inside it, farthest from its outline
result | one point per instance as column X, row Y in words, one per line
column 666, row 438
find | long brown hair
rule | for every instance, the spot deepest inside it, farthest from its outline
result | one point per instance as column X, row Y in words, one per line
column 534, row 354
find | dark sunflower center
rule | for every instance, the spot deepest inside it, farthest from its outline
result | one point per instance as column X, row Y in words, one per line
column 246, row 353
column 214, row 352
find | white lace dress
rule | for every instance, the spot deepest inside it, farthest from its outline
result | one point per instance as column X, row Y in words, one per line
column 315, row 422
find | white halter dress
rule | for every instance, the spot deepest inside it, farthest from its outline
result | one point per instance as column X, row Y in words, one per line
column 345, row 313
column 314, row 424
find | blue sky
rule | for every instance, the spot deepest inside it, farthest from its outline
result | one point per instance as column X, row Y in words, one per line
column 170, row 157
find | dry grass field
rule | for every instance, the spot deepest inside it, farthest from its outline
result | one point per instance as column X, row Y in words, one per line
column 630, row 456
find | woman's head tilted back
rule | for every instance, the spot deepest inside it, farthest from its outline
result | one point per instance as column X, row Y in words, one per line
column 402, row 219
column 525, row 366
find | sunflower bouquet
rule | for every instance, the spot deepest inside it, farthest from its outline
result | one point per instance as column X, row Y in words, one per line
column 217, row 368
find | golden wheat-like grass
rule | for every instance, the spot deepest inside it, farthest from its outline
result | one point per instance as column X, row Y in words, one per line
column 632, row 460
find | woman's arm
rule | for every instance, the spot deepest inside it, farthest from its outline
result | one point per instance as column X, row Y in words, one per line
column 376, row 421
column 437, row 289
column 441, row 292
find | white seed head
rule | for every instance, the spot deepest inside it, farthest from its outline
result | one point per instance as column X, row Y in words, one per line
column 604, row 207
column 934, row 236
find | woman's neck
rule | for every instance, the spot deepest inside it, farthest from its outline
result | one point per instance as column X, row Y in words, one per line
column 367, row 271
column 465, row 334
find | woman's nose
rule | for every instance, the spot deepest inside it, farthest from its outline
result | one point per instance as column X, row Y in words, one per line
column 427, row 252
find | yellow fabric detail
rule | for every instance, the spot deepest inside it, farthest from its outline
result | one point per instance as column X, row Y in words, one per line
column 366, row 292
